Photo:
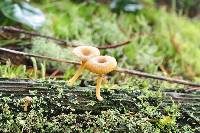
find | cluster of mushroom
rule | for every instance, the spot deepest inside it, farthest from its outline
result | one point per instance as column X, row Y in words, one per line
column 91, row 60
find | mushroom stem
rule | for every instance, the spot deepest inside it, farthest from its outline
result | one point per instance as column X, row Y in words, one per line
column 98, row 85
column 26, row 106
column 77, row 74
column 104, row 81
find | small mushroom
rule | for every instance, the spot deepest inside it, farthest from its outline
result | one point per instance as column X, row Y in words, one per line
column 27, row 102
column 101, row 65
column 84, row 53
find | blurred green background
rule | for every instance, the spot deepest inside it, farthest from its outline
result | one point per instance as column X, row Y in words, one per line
column 165, row 35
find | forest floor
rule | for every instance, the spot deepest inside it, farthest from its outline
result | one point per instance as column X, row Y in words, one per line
column 162, row 42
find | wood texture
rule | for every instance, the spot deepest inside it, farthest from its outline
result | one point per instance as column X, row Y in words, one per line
column 57, row 98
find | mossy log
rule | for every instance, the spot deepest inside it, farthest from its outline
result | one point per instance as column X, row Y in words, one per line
column 56, row 99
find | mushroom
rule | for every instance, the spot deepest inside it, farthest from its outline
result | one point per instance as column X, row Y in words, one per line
column 27, row 101
column 101, row 65
column 84, row 53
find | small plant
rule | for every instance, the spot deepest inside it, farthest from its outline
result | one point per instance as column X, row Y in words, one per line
column 10, row 71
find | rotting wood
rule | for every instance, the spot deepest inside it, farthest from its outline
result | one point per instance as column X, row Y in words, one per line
column 57, row 96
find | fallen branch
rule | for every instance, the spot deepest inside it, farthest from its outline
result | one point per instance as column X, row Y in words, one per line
column 78, row 105
column 61, row 42
column 121, row 70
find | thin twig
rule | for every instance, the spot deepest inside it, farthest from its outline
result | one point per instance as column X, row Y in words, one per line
column 61, row 42
column 54, row 73
column 146, row 75
column 121, row 70
column 39, row 56
column 115, row 45
column 193, row 89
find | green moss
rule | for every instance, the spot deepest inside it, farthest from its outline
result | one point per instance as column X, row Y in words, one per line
column 48, row 112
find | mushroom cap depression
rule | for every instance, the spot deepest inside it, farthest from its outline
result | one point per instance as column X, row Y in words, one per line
column 101, row 64
column 86, row 52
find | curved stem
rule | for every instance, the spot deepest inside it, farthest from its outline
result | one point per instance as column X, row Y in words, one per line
column 77, row 74
column 98, row 85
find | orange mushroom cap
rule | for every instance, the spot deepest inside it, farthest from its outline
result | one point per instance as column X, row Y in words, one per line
column 101, row 64
column 86, row 52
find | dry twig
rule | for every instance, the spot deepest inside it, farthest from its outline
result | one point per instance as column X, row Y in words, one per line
column 146, row 75
column 61, row 42
column 39, row 56
column 121, row 70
